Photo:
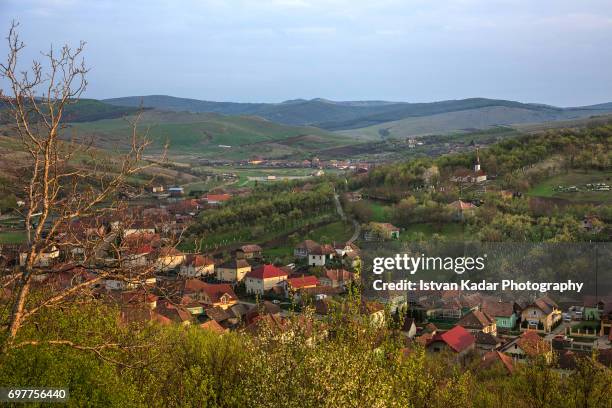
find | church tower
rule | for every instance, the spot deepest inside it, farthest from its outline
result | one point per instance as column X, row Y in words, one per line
column 477, row 165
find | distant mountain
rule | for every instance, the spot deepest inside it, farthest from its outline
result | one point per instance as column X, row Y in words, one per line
column 344, row 115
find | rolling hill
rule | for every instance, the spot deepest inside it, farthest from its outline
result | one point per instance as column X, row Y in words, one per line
column 460, row 121
column 335, row 116
column 212, row 135
column 86, row 110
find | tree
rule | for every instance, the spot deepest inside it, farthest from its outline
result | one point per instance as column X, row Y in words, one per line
column 60, row 195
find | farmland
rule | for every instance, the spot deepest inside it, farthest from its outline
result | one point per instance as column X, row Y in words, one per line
column 550, row 188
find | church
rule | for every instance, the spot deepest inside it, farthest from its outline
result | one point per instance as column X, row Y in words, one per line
column 464, row 175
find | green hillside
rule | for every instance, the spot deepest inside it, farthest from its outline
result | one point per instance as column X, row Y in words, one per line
column 214, row 135
column 87, row 110
column 343, row 115
column 458, row 121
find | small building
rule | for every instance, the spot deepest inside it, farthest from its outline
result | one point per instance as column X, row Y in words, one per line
column 176, row 191
column 217, row 199
column 461, row 209
column 478, row 321
column 528, row 345
column 293, row 285
column 337, row 278
column 377, row 231
column 213, row 295
column 503, row 312
column 304, row 248
column 320, row 255
column 409, row 328
column 457, row 340
column 168, row 258
column 497, row 359
column 542, row 315
column 264, row 278
column 487, row 341
column 250, row 251
column 233, row 271
column 197, row 265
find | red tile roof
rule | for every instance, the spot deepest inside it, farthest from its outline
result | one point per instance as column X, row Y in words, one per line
column 218, row 197
column 462, row 205
column 197, row 260
column 266, row 272
column 457, row 338
column 493, row 356
column 303, row 281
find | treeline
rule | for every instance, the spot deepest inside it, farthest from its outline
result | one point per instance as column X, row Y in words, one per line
column 339, row 362
column 586, row 149
column 268, row 206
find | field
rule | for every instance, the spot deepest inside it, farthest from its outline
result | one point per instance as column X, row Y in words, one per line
column 12, row 237
column 451, row 231
column 549, row 187
column 457, row 121
column 212, row 135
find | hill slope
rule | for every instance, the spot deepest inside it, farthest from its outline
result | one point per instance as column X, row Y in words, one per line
column 465, row 120
column 333, row 115
column 213, row 135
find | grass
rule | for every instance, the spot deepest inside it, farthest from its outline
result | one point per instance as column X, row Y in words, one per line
column 202, row 133
column 575, row 178
column 451, row 231
column 336, row 231
column 380, row 212
column 12, row 237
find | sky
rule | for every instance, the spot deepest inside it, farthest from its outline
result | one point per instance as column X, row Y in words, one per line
column 557, row 52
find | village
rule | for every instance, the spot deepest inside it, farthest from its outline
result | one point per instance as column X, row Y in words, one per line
column 244, row 291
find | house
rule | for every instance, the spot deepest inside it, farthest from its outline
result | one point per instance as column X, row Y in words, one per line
column 168, row 258
column 292, row 285
column 304, row 248
column 262, row 309
column 409, row 328
column 157, row 189
column 196, row 265
column 542, row 315
column 497, row 358
column 176, row 191
column 457, row 340
column 478, row 321
column 528, row 345
column 466, row 176
column 233, row 271
column 173, row 313
column 214, row 327
column 263, row 278
column 210, row 294
column 320, row 255
column 346, row 249
column 251, row 251
column 487, row 341
column 131, row 282
column 42, row 258
column 376, row 231
column 337, row 278
column 217, row 199
column 137, row 256
column 594, row 307
column 503, row 312
column 461, row 209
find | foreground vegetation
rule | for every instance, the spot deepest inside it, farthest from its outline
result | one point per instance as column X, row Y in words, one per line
column 303, row 366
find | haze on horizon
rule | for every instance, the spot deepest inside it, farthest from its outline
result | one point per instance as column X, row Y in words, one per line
column 551, row 51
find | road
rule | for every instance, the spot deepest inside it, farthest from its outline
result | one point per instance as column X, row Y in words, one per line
column 343, row 216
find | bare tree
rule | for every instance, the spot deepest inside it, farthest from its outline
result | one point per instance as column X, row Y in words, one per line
column 71, row 188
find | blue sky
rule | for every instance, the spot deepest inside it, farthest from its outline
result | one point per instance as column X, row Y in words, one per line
column 549, row 51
